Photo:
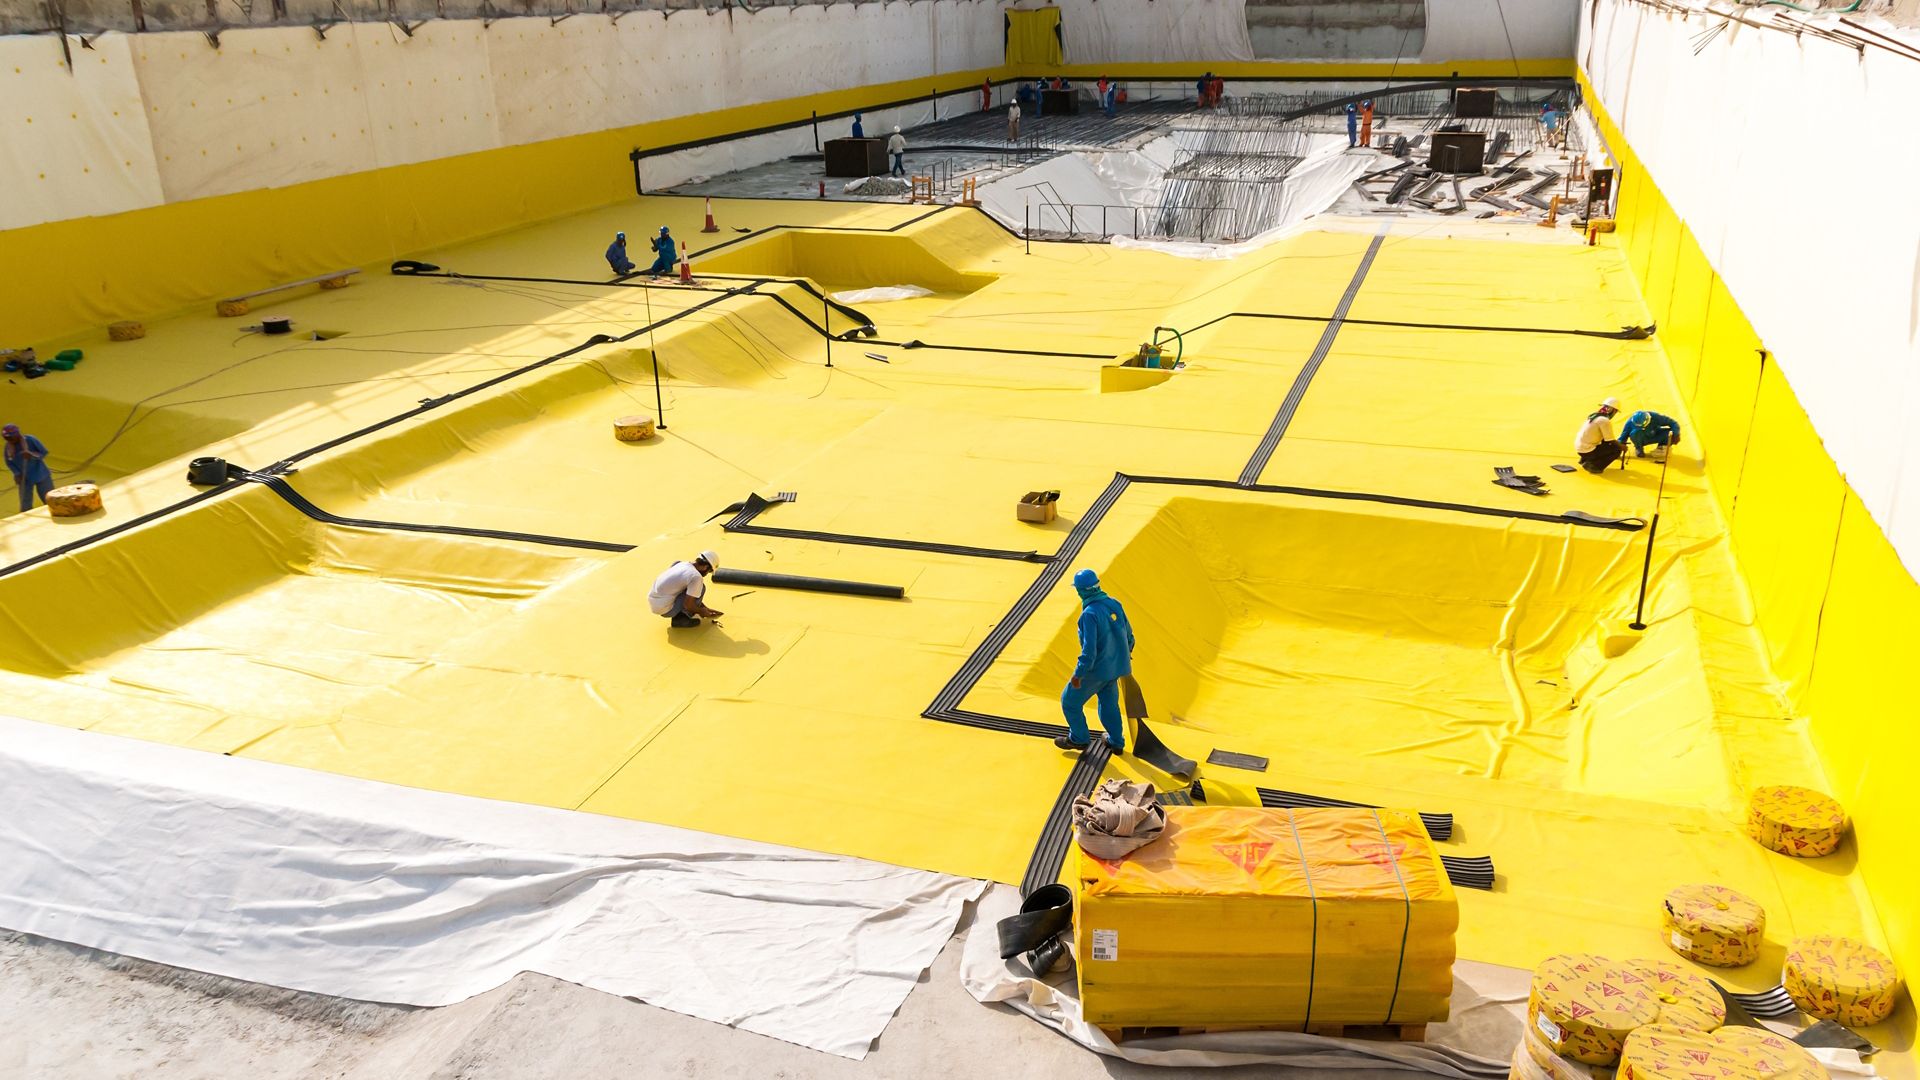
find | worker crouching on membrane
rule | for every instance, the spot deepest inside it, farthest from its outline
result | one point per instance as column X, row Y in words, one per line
column 617, row 254
column 1648, row 428
column 1595, row 444
column 663, row 253
column 1106, row 654
column 679, row 593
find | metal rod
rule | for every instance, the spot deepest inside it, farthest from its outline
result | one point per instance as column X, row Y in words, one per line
column 826, row 322
column 1646, row 565
column 653, row 353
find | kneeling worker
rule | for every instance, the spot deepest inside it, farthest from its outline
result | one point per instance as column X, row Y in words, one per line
column 617, row 254
column 1106, row 653
column 1648, row 428
column 678, row 593
column 1595, row 444
column 663, row 253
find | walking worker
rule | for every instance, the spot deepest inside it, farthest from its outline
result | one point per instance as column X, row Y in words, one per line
column 1106, row 654
column 897, row 146
column 1595, row 444
column 1013, row 122
column 27, row 459
column 1550, row 119
column 1366, row 122
column 617, row 254
column 663, row 253
column 680, row 591
column 859, row 129
column 1353, row 126
column 1109, row 94
column 1648, row 428
column 986, row 95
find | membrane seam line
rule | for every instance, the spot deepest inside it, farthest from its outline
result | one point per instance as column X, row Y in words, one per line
column 125, row 526
column 1257, row 464
column 742, row 523
column 279, row 486
column 1050, row 853
column 1631, row 333
column 1624, row 525
column 915, row 220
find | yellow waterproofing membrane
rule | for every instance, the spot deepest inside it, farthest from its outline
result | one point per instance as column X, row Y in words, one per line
column 1829, row 596
column 1300, row 521
column 1033, row 37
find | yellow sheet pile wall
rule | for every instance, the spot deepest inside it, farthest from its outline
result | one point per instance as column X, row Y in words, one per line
column 1837, row 609
column 1251, row 916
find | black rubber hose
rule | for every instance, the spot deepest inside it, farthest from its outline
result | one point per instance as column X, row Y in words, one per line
column 808, row 584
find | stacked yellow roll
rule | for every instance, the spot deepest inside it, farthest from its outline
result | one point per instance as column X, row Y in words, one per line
column 1660, row 1052
column 1795, row 821
column 1713, row 925
column 1584, row 1006
column 1840, row 979
column 1686, row 998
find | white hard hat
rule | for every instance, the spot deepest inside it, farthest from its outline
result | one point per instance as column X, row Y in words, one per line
column 712, row 560
column 1612, row 403
column 896, row 129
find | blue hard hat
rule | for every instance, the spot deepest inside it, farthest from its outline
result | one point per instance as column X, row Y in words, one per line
column 663, row 230
column 1085, row 579
column 619, row 236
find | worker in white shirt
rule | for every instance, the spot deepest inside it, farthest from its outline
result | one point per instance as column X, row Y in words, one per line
column 1595, row 444
column 897, row 146
column 679, row 592
column 1013, row 122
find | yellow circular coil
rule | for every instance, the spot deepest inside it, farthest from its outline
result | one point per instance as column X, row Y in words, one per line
column 1713, row 925
column 1583, row 1006
column 1840, row 979
column 1660, row 1052
column 1795, row 821
column 1686, row 998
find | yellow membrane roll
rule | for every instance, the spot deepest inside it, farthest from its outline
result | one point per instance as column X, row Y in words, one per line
column 1660, row 1052
column 1840, row 979
column 1687, row 999
column 1795, row 821
column 1583, row 1006
column 1713, row 925
column 1543, row 1064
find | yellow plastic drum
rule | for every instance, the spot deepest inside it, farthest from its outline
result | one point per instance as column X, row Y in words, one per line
column 1660, row 1052
column 1795, row 821
column 1840, row 979
column 1687, row 999
column 1583, row 1006
column 1713, row 925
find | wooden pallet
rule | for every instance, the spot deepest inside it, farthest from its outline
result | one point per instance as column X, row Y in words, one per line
column 1372, row 1032
column 234, row 306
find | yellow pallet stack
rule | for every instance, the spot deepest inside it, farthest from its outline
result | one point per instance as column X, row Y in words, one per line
column 1254, row 917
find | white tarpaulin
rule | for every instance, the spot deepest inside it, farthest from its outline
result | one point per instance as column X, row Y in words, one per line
column 364, row 890
column 1118, row 31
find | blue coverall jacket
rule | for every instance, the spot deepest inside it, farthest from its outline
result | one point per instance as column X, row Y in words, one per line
column 1106, row 641
column 1648, row 428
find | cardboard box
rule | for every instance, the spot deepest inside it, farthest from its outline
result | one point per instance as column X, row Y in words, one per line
column 1038, row 507
column 1248, row 916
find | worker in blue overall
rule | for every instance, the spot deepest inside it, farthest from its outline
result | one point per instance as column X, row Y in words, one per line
column 617, row 254
column 859, row 129
column 1648, row 428
column 1353, row 125
column 1106, row 654
column 27, row 460
column 663, row 253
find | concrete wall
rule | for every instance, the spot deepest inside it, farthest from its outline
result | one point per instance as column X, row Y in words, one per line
column 1336, row 29
column 29, row 16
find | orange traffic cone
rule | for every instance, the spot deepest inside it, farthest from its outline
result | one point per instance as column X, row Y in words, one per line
column 686, row 272
column 710, row 226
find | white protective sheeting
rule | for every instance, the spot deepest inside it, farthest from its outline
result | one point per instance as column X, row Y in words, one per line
column 881, row 294
column 1781, row 154
column 167, row 116
column 363, row 890
column 1460, row 30
column 77, row 143
column 1149, row 31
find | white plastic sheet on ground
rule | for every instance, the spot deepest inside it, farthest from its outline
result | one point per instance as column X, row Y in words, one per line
column 364, row 890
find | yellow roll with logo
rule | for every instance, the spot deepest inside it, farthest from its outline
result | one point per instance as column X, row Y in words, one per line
column 1662, row 1052
column 1713, row 925
column 1840, row 979
column 1541, row 1063
column 1584, row 1006
column 1795, row 821
column 1686, row 998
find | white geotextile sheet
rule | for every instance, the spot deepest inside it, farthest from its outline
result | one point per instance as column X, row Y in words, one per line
column 1481, row 30
column 1119, row 31
column 1489, row 1010
column 363, row 890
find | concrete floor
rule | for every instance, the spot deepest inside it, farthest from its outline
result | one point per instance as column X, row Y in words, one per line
column 80, row 1014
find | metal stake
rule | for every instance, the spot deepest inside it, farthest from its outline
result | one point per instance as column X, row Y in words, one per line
column 653, row 353
column 1646, row 566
